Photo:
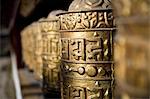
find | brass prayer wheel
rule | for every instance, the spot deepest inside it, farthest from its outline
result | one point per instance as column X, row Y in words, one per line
column 31, row 45
column 27, row 46
column 38, row 51
column 32, row 48
column 87, row 50
column 132, row 48
column 51, row 54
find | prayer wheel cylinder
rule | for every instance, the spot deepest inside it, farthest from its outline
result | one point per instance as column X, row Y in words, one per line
column 28, row 46
column 87, row 50
column 51, row 55
column 38, row 51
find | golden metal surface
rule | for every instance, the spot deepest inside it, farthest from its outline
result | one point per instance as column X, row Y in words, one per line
column 132, row 48
column 51, row 53
column 28, row 46
column 87, row 50
column 32, row 48
column 38, row 51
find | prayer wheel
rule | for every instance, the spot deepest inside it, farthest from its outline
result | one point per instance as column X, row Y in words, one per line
column 33, row 32
column 87, row 69
column 51, row 55
column 27, row 36
column 38, row 51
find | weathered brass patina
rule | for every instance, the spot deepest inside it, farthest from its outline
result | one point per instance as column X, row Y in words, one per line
column 132, row 48
column 51, row 54
column 87, row 50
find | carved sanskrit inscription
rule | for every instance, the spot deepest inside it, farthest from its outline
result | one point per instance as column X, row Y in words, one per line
column 84, row 93
column 51, row 47
column 87, row 20
column 87, row 49
column 96, row 49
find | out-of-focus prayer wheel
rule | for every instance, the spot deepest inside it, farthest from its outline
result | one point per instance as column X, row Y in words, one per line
column 132, row 50
column 28, row 46
column 51, row 54
column 38, row 51
column 32, row 48
column 31, row 45
column 87, row 50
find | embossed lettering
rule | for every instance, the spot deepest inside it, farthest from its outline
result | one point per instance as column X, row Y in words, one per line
column 65, row 48
column 94, row 50
column 76, row 49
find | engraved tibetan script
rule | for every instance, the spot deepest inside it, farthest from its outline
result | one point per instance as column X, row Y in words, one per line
column 77, row 49
column 77, row 93
column 94, row 50
column 65, row 48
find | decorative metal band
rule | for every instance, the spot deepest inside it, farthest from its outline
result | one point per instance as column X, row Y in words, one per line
column 97, row 19
column 95, row 49
column 50, row 55
column 87, row 54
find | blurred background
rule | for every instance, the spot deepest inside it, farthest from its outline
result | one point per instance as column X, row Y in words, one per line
column 15, row 15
